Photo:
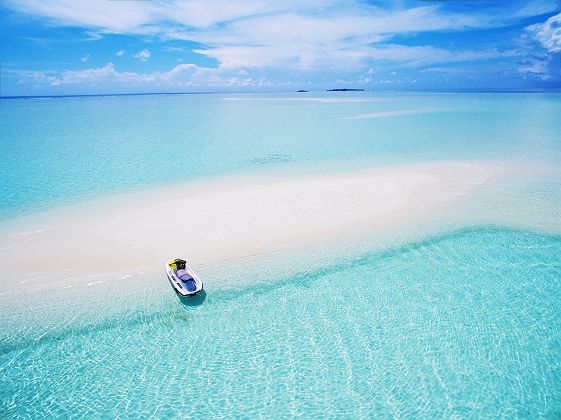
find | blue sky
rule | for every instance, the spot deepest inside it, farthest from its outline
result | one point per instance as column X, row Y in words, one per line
column 57, row 47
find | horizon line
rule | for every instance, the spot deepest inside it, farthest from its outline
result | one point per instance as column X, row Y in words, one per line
column 475, row 90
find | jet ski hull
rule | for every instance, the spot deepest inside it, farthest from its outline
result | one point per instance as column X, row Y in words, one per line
column 185, row 282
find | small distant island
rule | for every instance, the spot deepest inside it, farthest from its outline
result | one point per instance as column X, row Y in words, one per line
column 301, row 91
column 345, row 90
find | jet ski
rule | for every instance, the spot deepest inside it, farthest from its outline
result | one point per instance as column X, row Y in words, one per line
column 182, row 278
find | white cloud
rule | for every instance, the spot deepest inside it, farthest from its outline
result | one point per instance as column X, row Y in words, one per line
column 34, row 76
column 191, row 75
column 182, row 75
column 174, row 49
column 338, row 40
column 535, row 67
column 306, row 57
column 548, row 33
column 85, row 58
column 304, row 34
column 88, row 75
column 198, row 13
column 533, row 8
column 143, row 55
column 117, row 17
column 417, row 56
column 148, row 17
column 348, row 36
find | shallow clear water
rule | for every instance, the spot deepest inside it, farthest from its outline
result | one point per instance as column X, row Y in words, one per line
column 464, row 324
column 56, row 151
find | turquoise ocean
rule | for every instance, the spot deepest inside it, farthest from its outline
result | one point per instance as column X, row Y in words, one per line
column 463, row 323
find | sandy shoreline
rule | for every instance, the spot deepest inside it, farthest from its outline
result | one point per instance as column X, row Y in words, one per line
column 232, row 217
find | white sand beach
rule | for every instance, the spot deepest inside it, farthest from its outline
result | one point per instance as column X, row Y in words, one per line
column 230, row 217
column 384, row 114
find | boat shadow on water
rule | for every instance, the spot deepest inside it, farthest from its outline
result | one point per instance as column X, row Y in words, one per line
column 196, row 300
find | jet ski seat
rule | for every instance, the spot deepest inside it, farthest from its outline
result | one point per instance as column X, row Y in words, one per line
column 187, row 280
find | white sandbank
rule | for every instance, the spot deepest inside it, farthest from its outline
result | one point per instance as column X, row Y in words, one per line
column 231, row 217
column 385, row 114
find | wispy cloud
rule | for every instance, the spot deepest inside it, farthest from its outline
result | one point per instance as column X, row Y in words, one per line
column 174, row 49
column 259, row 33
column 143, row 55
column 548, row 33
column 85, row 58
column 236, row 42
column 538, row 67
column 305, row 57
column 541, row 42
